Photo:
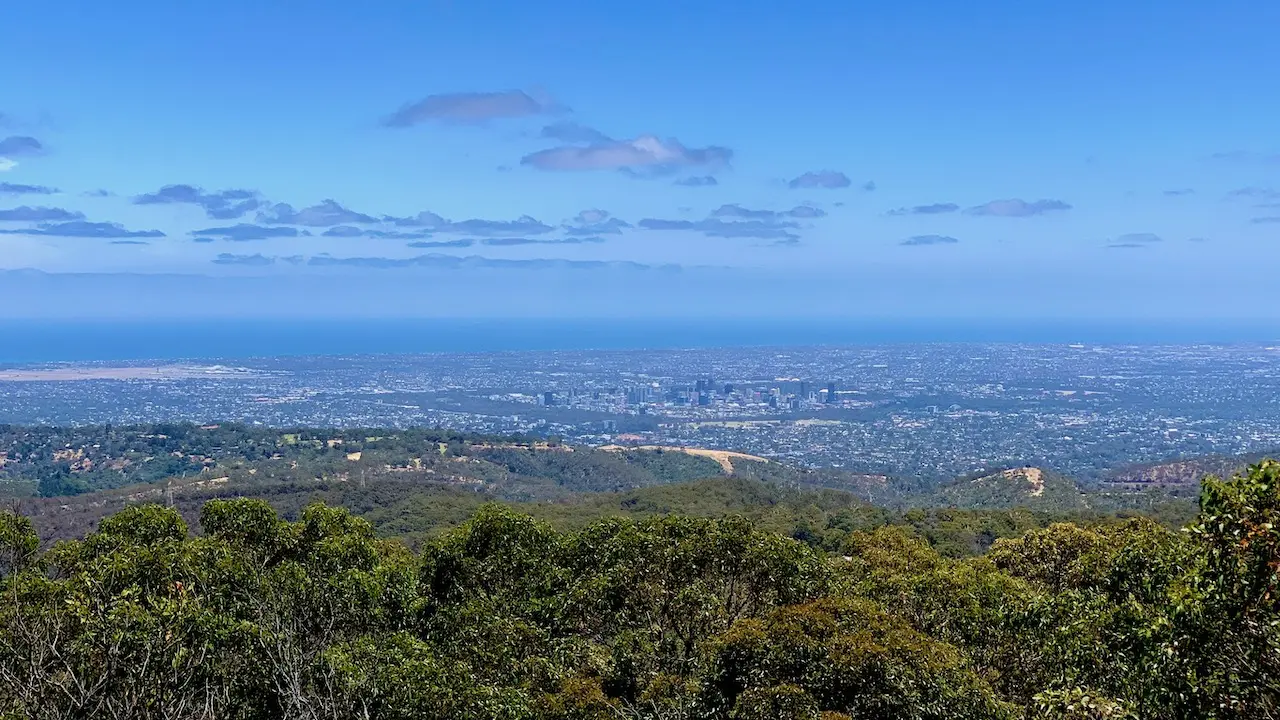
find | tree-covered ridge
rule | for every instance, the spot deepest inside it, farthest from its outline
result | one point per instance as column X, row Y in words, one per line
column 415, row 511
column 69, row 461
column 407, row 477
column 660, row 617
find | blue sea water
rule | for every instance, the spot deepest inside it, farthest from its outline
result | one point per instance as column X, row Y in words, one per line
column 30, row 341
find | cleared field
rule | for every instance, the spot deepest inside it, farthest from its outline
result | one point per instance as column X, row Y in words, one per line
column 724, row 457
column 162, row 372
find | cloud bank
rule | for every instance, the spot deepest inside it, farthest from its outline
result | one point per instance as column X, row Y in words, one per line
column 222, row 205
column 326, row 214
column 24, row 213
column 16, row 189
column 243, row 232
column 83, row 229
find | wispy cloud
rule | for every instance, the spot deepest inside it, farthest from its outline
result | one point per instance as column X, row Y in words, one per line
column 244, row 232
column 1134, row 240
column 351, row 231
column 737, row 211
column 698, row 181
column 345, row 231
column 128, row 242
column 222, row 205
column 736, row 221
column 15, row 189
column 454, row 262
column 469, row 107
column 933, row 209
column 574, row 133
column 1263, row 197
column 6, row 164
column 82, row 229
column 1266, row 220
column 595, row 222
column 717, row 228
column 510, row 241
column 1249, row 156
column 24, row 213
column 1179, row 192
column 918, row 240
column 1145, row 238
column 824, row 179
column 18, row 146
column 256, row 260
column 424, row 219
column 443, row 243
column 645, row 156
column 523, row 225
column 1018, row 208
column 326, row 214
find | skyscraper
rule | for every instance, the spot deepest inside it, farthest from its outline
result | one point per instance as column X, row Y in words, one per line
column 831, row 392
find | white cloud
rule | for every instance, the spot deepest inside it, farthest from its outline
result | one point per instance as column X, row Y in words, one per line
column 646, row 151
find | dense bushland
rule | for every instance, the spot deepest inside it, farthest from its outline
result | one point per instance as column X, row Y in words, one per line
column 661, row 617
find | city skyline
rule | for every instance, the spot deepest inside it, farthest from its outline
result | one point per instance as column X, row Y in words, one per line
column 930, row 410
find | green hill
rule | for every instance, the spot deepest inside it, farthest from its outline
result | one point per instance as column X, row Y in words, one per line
column 1029, row 487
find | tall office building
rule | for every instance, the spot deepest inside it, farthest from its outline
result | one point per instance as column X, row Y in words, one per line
column 831, row 392
column 548, row 398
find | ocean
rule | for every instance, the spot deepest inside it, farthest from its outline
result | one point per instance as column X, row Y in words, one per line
column 32, row 341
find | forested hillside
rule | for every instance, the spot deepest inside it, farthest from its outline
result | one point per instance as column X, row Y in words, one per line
column 651, row 617
column 70, row 461
column 413, row 482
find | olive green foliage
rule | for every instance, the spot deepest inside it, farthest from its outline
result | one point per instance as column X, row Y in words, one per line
column 71, row 461
column 655, row 616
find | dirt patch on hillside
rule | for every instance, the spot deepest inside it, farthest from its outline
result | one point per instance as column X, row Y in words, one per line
column 724, row 457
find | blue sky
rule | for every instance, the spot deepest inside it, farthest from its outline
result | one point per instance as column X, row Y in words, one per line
column 1095, row 159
